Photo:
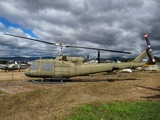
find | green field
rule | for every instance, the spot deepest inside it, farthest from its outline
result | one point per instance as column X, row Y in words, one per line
column 118, row 111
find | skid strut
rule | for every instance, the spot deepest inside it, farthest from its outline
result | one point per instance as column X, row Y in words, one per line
column 51, row 80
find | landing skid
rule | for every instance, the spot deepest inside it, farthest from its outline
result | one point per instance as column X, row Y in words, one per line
column 48, row 82
column 52, row 80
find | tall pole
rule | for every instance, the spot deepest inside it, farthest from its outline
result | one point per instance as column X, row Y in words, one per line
column 98, row 56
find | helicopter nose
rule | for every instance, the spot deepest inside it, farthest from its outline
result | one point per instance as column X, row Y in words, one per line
column 26, row 73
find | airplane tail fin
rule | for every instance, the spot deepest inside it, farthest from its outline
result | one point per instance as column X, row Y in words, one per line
column 146, row 56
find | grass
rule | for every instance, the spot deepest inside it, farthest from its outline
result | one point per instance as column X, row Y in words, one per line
column 2, row 92
column 118, row 111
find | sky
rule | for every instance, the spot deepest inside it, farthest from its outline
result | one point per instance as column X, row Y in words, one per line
column 109, row 24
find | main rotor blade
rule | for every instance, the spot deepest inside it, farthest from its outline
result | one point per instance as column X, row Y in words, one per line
column 66, row 45
column 98, row 49
column 30, row 39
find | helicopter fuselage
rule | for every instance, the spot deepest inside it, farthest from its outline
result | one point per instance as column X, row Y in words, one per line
column 72, row 66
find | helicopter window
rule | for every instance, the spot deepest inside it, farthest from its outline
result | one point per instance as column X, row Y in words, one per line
column 34, row 66
column 47, row 66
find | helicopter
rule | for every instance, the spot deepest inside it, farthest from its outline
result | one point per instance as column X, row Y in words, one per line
column 65, row 66
column 9, row 65
column 13, row 65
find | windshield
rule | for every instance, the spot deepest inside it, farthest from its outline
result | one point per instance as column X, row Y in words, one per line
column 34, row 65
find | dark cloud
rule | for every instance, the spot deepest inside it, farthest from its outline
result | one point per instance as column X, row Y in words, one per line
column 117, row 24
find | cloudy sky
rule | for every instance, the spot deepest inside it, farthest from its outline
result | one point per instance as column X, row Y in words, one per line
column 108, row 24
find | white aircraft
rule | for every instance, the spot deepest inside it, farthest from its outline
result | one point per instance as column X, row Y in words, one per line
column 12, row 66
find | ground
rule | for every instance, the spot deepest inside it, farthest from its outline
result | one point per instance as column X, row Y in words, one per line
column 23, row 99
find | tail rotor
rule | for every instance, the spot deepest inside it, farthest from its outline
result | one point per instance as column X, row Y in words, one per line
column 149, row 48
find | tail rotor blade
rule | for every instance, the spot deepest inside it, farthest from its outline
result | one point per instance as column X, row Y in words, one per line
column 147, row 40
column 153, row 59
column 149, row 47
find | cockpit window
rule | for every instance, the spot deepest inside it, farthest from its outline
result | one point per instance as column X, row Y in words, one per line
column 34, row 66
column 47, row 66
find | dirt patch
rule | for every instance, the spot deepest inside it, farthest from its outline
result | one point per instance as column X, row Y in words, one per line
column 52, row 101
column 15, row 89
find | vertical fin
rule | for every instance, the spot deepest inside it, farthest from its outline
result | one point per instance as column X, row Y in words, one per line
column 143, row 57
